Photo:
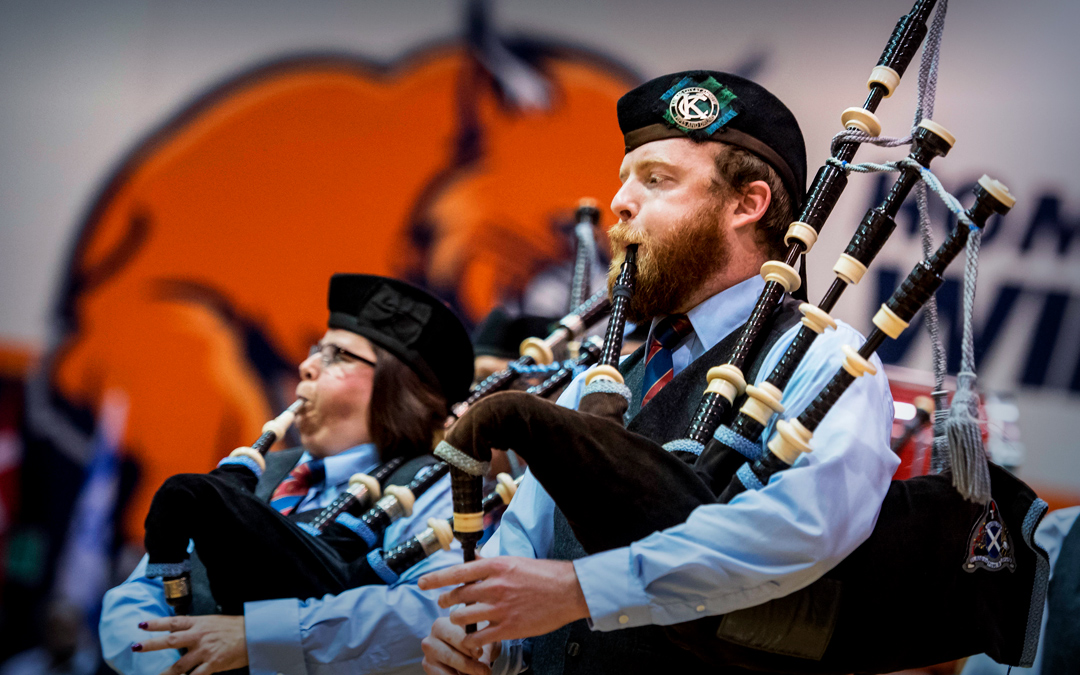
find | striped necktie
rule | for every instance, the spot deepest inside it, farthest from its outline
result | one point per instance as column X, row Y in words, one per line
column 668, row 333
column 291, row 491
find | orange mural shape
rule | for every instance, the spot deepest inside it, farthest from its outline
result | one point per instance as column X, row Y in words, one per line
column 230, row 220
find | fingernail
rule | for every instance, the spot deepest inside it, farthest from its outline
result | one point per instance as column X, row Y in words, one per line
column 143, row 625
column 478, row 652
column 137, row 647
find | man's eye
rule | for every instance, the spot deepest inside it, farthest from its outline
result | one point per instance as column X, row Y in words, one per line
column 655, row 180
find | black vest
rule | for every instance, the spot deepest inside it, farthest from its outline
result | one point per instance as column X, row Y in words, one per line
column 575, row 648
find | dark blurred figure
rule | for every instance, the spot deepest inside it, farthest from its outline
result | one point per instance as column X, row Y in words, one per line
column 497, row 340
column 66, row 648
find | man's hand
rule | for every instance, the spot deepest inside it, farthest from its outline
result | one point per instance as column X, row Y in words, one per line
column 519, row 597
column 445, row 655
column 213, row 643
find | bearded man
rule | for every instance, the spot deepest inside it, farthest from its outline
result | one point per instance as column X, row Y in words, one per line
column 714, row 168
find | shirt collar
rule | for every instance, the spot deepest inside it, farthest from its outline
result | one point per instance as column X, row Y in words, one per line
column 363, row 458
column 716, row 317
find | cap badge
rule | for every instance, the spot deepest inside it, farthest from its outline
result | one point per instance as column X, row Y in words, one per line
column 694, row 108
column 705, row 105
column 989, row 545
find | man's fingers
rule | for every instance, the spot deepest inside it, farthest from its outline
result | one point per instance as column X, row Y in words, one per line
column 442, row 658
column 446, row 631
column 462, row 595
column 433, row 668
column 487, row 635
column 171, row 624
column 463, row 616
column 458, row 574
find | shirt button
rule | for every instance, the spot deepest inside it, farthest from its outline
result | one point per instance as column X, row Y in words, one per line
column 624, row 619
column 701, row 608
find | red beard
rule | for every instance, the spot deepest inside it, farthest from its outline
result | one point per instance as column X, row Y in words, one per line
column 672, row 267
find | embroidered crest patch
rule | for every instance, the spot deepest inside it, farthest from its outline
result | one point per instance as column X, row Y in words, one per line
column 989, row 546
column 699, row 105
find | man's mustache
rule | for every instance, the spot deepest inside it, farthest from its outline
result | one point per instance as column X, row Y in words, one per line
column 622, row 235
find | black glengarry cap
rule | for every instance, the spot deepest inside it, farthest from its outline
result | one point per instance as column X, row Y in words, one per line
column 707, row 105
column 411, row 324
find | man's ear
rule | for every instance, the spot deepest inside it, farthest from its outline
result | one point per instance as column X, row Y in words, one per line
column 751, row 205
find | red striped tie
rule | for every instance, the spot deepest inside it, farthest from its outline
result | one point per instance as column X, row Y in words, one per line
column 666, row 336
column 291, row 491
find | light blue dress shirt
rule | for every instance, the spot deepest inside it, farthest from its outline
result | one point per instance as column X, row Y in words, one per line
column 765, row 543
column 371, row 629
column 1050, row 535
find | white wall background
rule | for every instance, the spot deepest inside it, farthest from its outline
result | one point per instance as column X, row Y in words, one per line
column 81, row 83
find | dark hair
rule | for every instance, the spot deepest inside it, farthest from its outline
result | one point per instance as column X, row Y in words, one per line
column 737, row 168
column 406, row 413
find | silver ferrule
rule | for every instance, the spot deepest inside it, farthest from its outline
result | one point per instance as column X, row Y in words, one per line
column 428, row 541
column 180, row 587
column 391, row 507
column 359, row 491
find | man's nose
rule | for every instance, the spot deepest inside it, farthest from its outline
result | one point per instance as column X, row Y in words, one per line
column 624, row 204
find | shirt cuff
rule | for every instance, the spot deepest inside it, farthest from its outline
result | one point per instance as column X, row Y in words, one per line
column 615, row 597
column 272, row 630
column 510, row 661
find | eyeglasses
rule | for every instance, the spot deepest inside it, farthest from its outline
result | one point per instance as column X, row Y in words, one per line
column 330, row 354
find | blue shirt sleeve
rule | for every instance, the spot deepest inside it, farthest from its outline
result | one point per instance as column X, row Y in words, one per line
column 371, row 629
column 765, row 543
column 137, row 599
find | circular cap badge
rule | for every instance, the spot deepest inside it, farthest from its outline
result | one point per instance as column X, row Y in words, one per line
column 694, row 108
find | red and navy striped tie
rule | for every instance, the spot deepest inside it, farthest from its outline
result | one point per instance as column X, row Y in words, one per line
column 291, row 491
column 666, row 336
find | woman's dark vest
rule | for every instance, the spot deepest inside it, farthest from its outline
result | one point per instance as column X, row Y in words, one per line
column 575, row 648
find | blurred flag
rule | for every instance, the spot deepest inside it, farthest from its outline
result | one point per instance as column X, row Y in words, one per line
column 84, row 570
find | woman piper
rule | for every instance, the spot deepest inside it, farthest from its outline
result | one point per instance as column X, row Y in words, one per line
column 377, row 386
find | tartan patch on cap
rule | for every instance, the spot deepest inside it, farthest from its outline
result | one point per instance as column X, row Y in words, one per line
column 706, row 106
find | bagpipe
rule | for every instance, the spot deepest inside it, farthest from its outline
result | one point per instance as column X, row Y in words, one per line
column 940, row 577
column 586, row 218
column 391, row 564
column 253, row 552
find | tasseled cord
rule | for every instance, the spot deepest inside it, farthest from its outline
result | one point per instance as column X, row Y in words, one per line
column 967, row 455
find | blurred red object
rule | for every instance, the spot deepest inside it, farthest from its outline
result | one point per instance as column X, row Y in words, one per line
column 912, row 432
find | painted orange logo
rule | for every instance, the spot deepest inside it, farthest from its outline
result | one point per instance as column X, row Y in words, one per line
column 200, row 276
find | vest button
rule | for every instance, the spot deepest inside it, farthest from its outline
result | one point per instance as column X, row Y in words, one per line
column 623, row 619
column 572, row 649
